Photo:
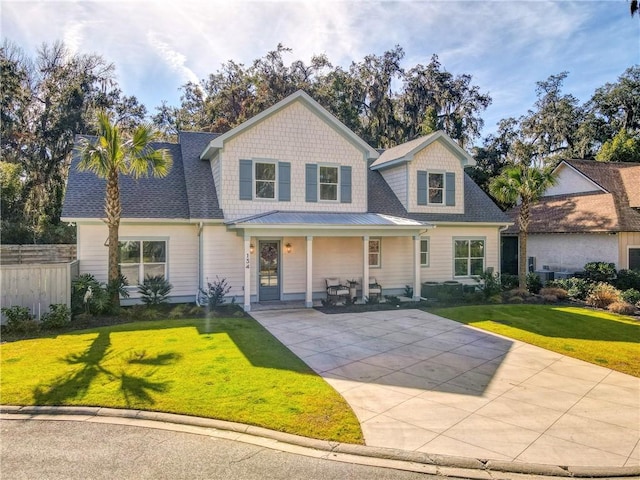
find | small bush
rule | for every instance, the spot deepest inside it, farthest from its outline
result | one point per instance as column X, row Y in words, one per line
column 577, row 288
column 20, row 320
column 598, row 272
column 631, row 296
column 559, row 293
column 408, row 291
column 509, row 282
column 497, row 299
column 548, row 298
column 490, row 284
column 216, row 291
column 627, row 279
column 155, row 290
column 515, row 300
column 622, row 308
column 534, row 284
column 392, row 300
column 374, row 300
column 58, row 316
column 602, row 295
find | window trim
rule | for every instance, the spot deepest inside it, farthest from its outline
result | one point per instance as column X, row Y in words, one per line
column 428, row 256
column 443, row 189
column 141, row 262
column 254, row 180
column 379, row 240
column 337, row 169
column 469, row 257
column 629, row 248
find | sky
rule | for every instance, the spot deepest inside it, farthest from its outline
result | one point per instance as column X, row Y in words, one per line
column 507, row 46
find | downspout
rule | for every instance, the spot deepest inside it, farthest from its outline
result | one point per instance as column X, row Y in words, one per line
column 200, row 255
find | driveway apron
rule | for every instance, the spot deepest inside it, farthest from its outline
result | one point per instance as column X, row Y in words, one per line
column 421, row 382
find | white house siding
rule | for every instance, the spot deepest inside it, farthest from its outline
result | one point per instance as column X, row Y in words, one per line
column 296, row 135
column 397, row 179
column 570, row 252
column 441, row 251
column 222, row 257
column 182, row 250
column 570, row 181
column 438, row 159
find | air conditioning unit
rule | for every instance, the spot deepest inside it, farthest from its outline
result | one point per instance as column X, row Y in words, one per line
column 545, row 275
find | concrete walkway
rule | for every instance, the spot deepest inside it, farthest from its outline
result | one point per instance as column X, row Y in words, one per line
column 422, row 383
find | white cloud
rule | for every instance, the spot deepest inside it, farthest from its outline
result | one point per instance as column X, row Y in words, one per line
column 175, row 60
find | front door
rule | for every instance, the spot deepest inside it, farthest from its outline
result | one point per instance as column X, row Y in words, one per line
column 269, row 273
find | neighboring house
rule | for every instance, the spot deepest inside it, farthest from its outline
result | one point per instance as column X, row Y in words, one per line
column 288, row 199
column 591, row 214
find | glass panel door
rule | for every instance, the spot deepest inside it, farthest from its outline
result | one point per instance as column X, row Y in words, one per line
column 269, row 270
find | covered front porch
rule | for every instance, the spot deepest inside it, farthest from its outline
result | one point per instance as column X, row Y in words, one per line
column 288, row 256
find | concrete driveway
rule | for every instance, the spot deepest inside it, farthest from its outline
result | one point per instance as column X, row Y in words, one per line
column 421, row 382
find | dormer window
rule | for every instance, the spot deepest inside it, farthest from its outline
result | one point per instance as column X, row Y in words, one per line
column 436, row 188
column 265, row 183
column 328, row 181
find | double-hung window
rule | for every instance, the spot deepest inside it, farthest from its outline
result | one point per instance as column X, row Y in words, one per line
column 141, row 258
column 424, row 252
column 328, row 181
column 265, row 180
column 374, row 252
column 468, row 257
column 436, row 188
column 634, row 258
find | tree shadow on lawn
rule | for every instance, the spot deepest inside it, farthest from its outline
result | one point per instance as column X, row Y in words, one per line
column 76, row 385
column 567, row 323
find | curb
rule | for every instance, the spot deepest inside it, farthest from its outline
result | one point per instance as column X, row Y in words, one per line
column 392, row 454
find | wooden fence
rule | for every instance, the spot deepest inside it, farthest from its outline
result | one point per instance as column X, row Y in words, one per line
column 19, row 254
column 37, row 285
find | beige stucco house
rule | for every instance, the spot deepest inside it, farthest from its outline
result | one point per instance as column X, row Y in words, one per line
column 288, row 199
column 592, row 214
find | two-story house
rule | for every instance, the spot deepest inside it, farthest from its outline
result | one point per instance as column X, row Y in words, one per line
column 288, row 199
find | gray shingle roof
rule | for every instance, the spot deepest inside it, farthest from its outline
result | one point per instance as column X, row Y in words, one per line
column 326, row 219
column 478, row 206
column 161, row 198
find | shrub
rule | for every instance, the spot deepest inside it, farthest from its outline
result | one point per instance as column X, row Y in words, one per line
column 559, row 293
column 408, row 291
column 392, row 300
column 602, row 295
column 20, row 320
column 372, row 300
column 515, row 300
column 154, row 290
column 622, row 308
column 534, row 284
column 509, row 282
column 627, row 279
column 577, row 288
column 90, row 296
column 489, row 283
column 548, row 298
column 631, row 296
column 596, row 272
column 58, row 316
column 216, row 292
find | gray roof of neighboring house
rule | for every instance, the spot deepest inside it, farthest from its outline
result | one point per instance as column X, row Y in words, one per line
column 187, row 192
column 326, row 219
column 478, row 206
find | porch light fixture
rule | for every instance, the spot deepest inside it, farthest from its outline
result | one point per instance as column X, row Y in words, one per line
column 251, row 248
column 288, row 247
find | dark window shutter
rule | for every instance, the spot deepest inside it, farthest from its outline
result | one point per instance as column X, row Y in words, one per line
column 284, row 181
column 345, row 184
column 312, row 182
column 450, row 189
column 246, row 180
column 422, row 188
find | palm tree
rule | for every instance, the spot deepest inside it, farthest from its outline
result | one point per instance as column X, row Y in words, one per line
column 113, row 153
column 524, row 183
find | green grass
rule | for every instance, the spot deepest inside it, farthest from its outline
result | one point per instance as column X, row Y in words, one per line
column 226, row 368
column 606, row 339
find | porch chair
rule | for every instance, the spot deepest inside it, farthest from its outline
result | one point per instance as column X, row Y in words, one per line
column 374, row 288
column 336, row 289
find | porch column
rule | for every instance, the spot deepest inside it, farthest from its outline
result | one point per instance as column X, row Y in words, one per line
column 365, row 267
column 416, row 268
column 247, row 273
column 308, row 296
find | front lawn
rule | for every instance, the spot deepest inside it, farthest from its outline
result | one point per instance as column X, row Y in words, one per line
column 226, row 368
column 606, row 339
